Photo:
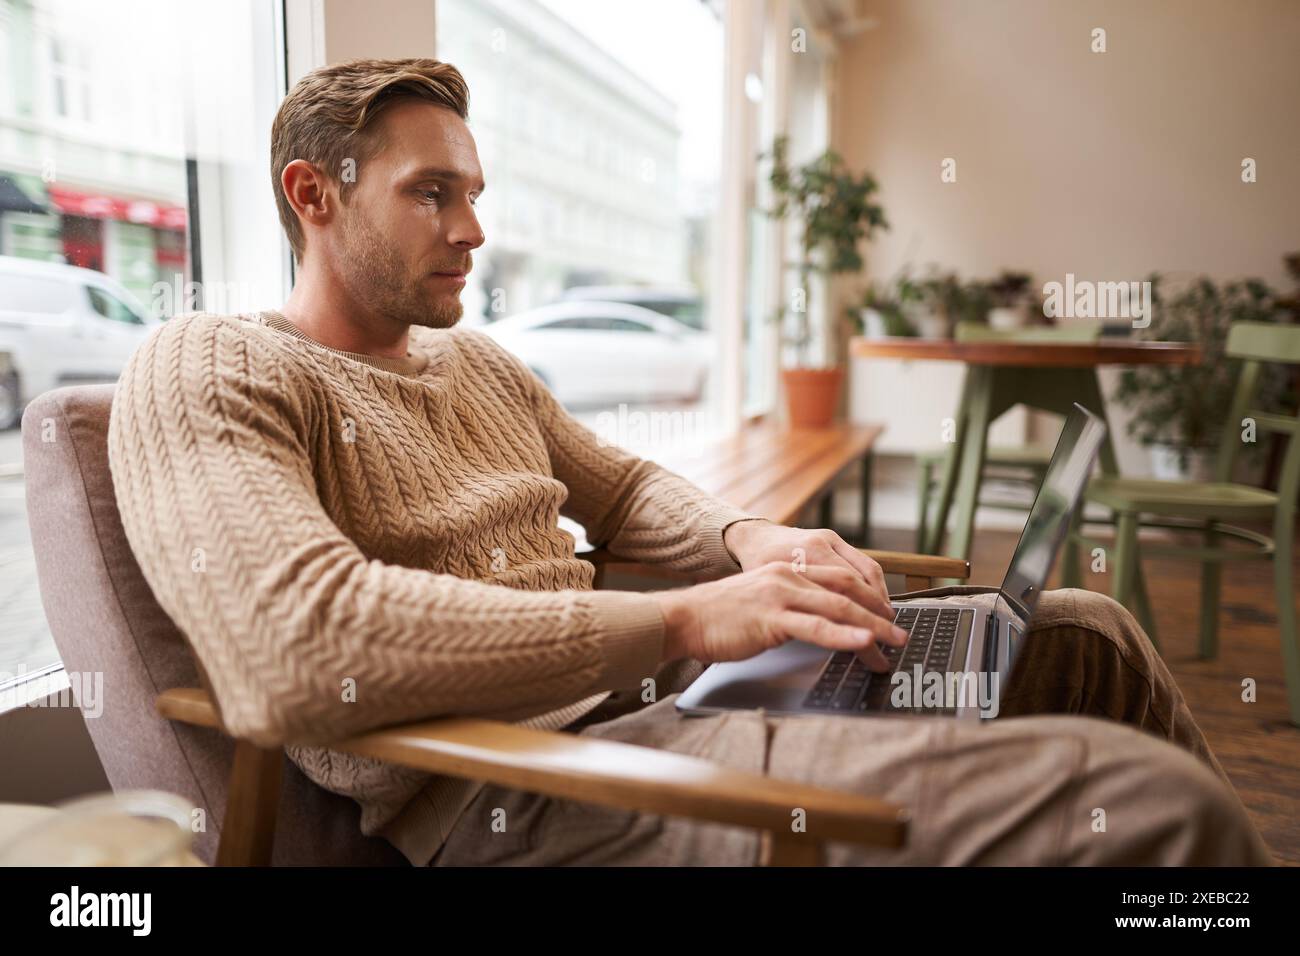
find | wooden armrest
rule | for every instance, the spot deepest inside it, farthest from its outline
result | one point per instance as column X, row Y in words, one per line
column 919, row 569
column 609, row 774
column 920, row 565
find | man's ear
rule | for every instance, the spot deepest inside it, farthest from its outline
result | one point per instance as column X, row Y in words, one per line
column 309, row 193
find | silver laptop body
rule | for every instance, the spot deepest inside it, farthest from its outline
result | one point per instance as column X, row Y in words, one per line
column 957, row 660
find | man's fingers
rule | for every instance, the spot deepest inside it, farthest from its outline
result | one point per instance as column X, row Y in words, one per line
column 864, row 565
column 842, row 609
column 846, row 581
column 814, row 629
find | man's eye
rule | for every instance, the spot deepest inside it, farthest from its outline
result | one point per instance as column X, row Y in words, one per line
column 432, row 194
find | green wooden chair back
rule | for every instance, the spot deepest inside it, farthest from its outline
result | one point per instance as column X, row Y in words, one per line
column 1254, row 344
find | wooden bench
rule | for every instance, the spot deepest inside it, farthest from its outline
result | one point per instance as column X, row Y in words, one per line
column 779, row 473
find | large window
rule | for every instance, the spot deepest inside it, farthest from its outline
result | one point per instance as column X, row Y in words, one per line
column 123, row 126
column 599, row 130
column 807, row 125
column 786, row 93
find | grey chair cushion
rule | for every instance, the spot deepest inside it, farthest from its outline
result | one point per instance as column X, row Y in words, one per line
column 104, row 618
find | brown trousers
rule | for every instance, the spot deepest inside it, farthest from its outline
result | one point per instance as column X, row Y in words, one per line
column 1094, row 759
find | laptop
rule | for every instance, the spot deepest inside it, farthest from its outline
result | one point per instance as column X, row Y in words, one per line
column 956, row 661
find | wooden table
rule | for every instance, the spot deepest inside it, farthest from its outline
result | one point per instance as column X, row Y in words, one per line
column 1000, row 375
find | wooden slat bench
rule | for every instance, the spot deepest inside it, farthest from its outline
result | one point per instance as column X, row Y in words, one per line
column 778, row 473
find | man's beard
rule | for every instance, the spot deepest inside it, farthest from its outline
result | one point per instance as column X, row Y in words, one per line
column 375, row 273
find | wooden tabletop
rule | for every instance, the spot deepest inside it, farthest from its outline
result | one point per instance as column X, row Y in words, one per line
column 1030, row 354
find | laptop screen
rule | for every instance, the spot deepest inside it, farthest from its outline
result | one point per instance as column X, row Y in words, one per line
column 1049, row 518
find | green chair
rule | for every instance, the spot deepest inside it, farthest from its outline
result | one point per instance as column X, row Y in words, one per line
column 1208, row 507
column 1019, row 464
column 1024, row 464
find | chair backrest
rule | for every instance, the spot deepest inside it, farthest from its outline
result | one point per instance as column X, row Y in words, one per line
column 1255, row 344
column 1078, row 333
column 104, row 618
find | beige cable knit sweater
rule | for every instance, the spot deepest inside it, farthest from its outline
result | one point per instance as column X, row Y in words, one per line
column 351, row 542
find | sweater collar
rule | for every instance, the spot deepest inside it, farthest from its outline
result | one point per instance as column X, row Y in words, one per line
column 412, row 364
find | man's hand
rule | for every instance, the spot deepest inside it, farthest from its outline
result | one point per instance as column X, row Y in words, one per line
column 757, row 542
column 745, row 614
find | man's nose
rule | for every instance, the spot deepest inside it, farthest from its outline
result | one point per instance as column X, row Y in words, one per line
column 463, row 229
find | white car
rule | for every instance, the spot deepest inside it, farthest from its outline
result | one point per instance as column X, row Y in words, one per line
column 62, row 325
column 677, row 302
column 593, row 352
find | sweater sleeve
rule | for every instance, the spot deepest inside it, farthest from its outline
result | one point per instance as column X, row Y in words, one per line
column 302, row 637
column 635, row 507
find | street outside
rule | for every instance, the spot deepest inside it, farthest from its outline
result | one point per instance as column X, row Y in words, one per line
column 25, row 642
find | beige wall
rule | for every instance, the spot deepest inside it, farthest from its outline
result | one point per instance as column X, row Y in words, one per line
column 1107, row 165
column 378, row 28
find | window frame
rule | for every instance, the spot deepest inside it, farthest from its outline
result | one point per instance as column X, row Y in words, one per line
column 208, row 187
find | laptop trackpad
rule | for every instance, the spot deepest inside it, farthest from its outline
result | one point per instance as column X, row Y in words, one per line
column 777, row 680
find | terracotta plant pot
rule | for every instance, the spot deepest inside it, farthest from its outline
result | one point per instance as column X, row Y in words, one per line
column 811, row 395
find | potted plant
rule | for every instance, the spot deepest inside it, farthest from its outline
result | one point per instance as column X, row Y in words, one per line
column 940, row 300
column 881, row 313
column 977, row 302
column 1178, row 411
column 946, row 300
column 1292, row 302
column 1008, row 298
column 835, row 211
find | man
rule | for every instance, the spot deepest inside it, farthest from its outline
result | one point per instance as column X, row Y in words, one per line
column 350, row 506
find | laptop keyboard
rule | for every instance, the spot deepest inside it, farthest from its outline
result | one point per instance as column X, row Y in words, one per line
column 847, row 685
